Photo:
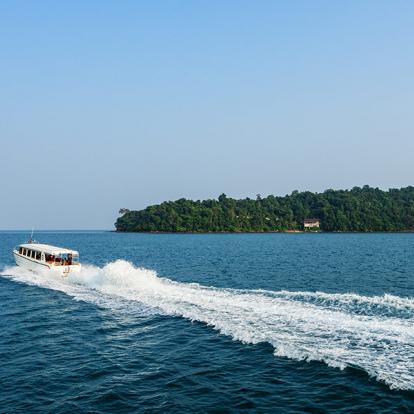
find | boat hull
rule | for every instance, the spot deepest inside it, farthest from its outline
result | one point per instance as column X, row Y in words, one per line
column 38, row 266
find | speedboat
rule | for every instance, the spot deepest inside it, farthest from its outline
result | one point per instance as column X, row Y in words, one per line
column 37, row 257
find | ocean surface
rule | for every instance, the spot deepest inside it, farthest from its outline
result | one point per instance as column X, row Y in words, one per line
column 289, row 323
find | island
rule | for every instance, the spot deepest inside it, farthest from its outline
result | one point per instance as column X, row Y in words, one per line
column 360, row 209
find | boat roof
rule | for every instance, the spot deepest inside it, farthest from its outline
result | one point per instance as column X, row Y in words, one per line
column 49, row 249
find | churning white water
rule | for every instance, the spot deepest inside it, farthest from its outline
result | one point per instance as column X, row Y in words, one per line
column 375, row 334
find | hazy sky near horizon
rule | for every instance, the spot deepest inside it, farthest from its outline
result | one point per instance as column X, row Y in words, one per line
column 107, row 104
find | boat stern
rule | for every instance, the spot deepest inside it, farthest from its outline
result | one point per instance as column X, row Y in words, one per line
column 68, row 270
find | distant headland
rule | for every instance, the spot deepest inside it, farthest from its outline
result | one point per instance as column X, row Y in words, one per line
column 363, row 209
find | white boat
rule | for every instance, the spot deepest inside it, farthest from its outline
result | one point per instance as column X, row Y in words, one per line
column 36, row 256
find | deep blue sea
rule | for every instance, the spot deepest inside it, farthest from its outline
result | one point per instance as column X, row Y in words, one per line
column 289, row 323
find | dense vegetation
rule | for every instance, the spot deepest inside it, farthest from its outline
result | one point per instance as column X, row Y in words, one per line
column 359, row 209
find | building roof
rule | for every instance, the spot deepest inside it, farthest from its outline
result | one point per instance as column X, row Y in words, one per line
column 48, row 249
column 309, row 220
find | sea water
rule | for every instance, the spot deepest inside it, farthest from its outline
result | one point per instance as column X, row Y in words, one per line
column 217, row 322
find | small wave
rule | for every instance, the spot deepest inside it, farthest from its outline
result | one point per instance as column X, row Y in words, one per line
column 375, row 334
column 385, row 305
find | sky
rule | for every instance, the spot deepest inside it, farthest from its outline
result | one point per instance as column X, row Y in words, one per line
column 107, row 105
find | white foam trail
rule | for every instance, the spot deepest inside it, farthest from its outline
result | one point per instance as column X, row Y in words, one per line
column 375, row 334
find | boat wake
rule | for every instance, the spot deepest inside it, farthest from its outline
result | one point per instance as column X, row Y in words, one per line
column 375, row 334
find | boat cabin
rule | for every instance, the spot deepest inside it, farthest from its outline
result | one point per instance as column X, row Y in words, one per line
column 54, row 256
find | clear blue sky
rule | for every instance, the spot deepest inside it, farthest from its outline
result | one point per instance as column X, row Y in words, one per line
column 109, row 104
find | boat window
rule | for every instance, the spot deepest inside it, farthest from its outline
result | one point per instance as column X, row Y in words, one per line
column 38, row 254
column 20, row 250
column 32, row 254
column 27, row 252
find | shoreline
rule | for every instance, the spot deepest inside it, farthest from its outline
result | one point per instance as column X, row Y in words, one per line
column 267, row 232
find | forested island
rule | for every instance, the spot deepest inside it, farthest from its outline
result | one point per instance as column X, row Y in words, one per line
column 363, row 209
